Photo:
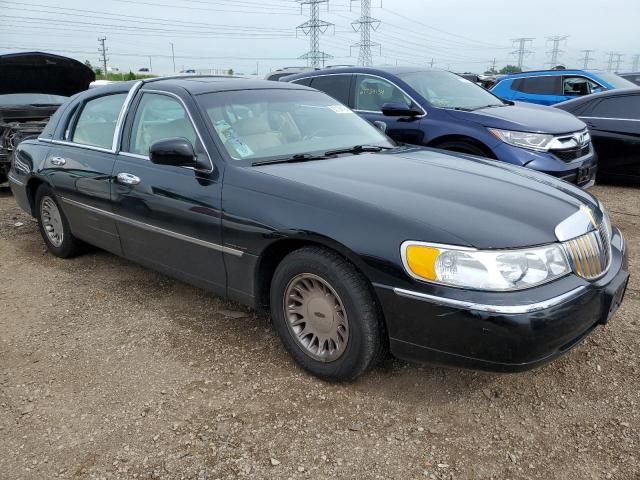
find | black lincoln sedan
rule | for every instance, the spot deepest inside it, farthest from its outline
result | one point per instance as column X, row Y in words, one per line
column 277, row 196
column 613, row 118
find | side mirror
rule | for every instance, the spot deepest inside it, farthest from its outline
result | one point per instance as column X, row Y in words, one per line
column 399, row 110
column 173, row 151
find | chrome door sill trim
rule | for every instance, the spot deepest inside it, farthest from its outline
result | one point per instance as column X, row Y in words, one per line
column 506, row 309
column 153, row 228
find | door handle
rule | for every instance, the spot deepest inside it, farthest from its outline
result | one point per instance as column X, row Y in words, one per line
column 127, row 179
column 58, row 161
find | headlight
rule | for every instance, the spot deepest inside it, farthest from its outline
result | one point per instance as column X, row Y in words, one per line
column 497, row 270
column 532, row 141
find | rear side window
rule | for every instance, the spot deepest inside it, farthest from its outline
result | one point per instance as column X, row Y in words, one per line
column 303, row 81
column 336, row 86
column 96, row 124
column 627, row 106
column 547, row 85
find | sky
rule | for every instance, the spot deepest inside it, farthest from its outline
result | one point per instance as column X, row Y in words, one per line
column 252, row 36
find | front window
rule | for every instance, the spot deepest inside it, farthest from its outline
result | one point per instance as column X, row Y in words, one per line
column 264, row 124
column 35, row 99
column 448, row 90
column 373, row 92
column 578, row 86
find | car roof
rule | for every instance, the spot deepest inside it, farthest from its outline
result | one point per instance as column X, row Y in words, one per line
column 553, row 72
column 604, row 94
column 393, row 70
column 199, row 84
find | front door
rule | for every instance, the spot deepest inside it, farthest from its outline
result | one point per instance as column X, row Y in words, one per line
column 80, row 169
column 168, row 217
column 371, row 93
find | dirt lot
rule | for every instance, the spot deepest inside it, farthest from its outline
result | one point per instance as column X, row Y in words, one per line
column 108, row 370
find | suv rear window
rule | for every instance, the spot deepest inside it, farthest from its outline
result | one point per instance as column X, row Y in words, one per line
column 544, row 85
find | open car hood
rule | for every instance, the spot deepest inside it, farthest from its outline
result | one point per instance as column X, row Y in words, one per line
column 37, row 72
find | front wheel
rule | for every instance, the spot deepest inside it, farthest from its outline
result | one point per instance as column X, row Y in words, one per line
column 325, row 313
column 54, row 226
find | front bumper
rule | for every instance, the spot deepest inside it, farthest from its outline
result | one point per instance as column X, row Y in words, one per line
column 501, row 332
column 581, row 171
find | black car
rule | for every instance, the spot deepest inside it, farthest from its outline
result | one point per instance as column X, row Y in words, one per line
column 32, row 87
column 275, row 195
column 632, row 77
column 613, row 118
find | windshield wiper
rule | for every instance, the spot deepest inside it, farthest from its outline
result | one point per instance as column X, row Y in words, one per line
column 357, row 149
column 299, row 157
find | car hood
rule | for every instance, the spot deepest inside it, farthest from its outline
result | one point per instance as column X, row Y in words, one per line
column 524, row 117
column 36, row 72
column 478, row 202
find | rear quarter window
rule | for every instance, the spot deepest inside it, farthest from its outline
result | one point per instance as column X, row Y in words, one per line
column 303, row 81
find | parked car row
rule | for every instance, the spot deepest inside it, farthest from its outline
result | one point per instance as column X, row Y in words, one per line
column 439, row 109
column 279, row 196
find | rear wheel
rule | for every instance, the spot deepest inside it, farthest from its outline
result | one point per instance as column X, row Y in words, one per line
column 325, row 314
column 463, row 147
column 54, row 226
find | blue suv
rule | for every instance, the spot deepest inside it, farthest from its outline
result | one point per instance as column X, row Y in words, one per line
column 440, row 109
column 547, row 87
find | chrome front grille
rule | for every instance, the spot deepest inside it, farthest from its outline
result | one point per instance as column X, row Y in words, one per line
column 590, row 254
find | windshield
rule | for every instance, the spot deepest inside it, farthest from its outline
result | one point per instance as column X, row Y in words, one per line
column 615, row 80
column 31, row 99
column 448, row 90
column 264, row 124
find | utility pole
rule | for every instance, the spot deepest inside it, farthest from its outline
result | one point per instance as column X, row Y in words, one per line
column 364, row 25
column 521, row 49
column 173, row 58
column 635, row 61
column 102, row 50
column 555, row 48
column 313, row 28
column 150, row 68
column 431, row 63
column 587, row 58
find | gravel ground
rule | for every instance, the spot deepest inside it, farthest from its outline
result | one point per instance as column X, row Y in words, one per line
column 108, row 370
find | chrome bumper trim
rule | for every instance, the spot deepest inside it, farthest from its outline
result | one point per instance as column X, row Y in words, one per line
column 506, row 309
column 13, row 179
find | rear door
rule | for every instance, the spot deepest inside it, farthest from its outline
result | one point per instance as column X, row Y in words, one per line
column 542, row 89
column 80, row 167
column 371, row 93
column 614, row 123
column 168, row 217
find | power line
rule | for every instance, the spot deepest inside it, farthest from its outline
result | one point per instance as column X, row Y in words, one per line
column 586, row 58
column 364, row 25
column 521, row 50
column 313, row 28
column 102, row 50
column 555, row 48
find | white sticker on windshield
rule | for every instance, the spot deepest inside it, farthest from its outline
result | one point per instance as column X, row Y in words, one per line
column 340, row 109
column 229, row 136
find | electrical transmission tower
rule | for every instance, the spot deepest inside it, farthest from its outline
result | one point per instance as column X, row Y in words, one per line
column 313, row 28
column 587, row 58
column 521, row 49
column 364, row 25
column 555, row 48
column 635, row 61
column 102, row 50
column 618, row 59
column 492, row 67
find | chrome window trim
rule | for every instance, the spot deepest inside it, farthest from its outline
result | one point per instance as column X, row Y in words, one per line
column 77, row 145
column 195, row 128
column 133, row 155
column 609, row 118
column 153, row 228
column 501, row 309
column 117, row 135
column 368, row 75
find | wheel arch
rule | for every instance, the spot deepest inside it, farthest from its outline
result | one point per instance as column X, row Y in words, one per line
column 436, row 142
column 32, row 187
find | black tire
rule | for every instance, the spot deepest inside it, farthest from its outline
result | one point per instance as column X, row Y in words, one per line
column 366, row 344
column 70, row 246
column 463, row 147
